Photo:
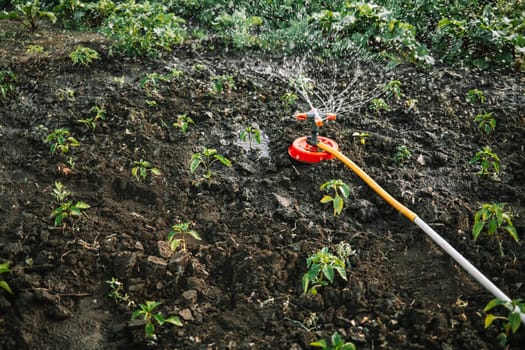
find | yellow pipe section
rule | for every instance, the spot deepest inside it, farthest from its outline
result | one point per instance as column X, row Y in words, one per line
column 410, row 215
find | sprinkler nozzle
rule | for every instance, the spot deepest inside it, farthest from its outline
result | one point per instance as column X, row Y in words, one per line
column 317, row 119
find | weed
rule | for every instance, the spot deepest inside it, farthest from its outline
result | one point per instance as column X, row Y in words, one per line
column 141, row 168
column 118, row 294
column 511, row 322
column 146, row 312
column 341, row 192
column 402, row 154
column 338, row 343
column 60, row 193
column 251, row 134
column 7, row 80
column 83, row 55
column 4, row 268
column 68, row 209
column 488, row 160
column 377, row 105
column 494, row 217
column 181, row 230
column 60, row 139
column 486, row 123
column 289, row 99
column 221, row 83
column 183, row 122
column 206, row 158
column 475, row 96
column 322, row 267
column 361, row 136
column 393, row 89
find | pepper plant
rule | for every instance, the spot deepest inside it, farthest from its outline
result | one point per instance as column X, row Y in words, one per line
column 341, row 192
column 402, row 154
column 222, row 83
column 393, row 89
column 488, row 160
column 511, row 322
column 7, row 80
column 494, row 218
column 68, row 209
column 475, row 96
column 251, row 134
column 141, row 168
column 181, row 230
column 183, row 122
column 338, row 343
column 146, row 312
column 4, row 268
column 486, row 123
column 205, row 159
column 321, row 270
column 60, row 139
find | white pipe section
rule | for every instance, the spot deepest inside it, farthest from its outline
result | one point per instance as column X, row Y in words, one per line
column 471, row 269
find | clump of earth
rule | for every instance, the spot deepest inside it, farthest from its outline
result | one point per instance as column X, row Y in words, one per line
column 239, row 287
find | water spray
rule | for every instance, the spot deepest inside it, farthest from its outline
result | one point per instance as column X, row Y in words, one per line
column 315, row 148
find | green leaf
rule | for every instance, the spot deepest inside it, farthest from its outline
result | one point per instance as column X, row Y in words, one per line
column 174, row 320
column 489, row 319
column 223, row 160
column 476, row 230
column 328, row 271
column 5, row 286
column 305, row 282
column 134, row 171
column 159, row 318
column 338, row 205
column 320, row 344
column 514, row 321
column 345, row 190
column 136, row 314
column 512, row 232
column 195, row 162
column 175, row 243
column 342, row 272
column 82, row 205
column 326, row 198
column 493, row 303
column 493, row 226
column 194, row 234
column 155, row 171
column 150, row 329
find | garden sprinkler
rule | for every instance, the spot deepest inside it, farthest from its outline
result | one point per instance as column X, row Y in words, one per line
column 315, row 148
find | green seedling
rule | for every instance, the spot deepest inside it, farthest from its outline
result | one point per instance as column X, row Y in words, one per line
column 7, row 80
column 393, row 89
column 4, row 268
column 68, row 209
column 341, row 192
column 411, row 105
column 221, row 83
column 35, row 49
column 488, row 160
column 65, row 94
column 511, row 322
column 60, row 193
column 141, row 168
column 361, row 136
column 183, row 122
column 118, row 294
column 60, row 139
column 475, row 96
column 91, row 122
column 151, row 103
column 250, row 134
column 494, row 218
column 402, row 154
column 146, row 312
column 486, row 123
column 338, row 343
column 205, row 159
column 322, row 267
column 181, row 230
column 289, row 99
column 83, row 55
column 378, row 104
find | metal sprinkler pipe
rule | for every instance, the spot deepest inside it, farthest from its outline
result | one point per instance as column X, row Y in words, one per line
column 465, row 264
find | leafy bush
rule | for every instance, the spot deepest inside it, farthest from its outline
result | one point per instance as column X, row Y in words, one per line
column 144, row 29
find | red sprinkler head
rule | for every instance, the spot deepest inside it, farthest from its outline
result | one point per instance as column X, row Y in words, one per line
column 304, row 149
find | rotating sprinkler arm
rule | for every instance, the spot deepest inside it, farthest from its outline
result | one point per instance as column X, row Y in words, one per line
column 317, row 118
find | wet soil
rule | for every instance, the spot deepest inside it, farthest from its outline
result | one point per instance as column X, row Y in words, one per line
column 240, row 286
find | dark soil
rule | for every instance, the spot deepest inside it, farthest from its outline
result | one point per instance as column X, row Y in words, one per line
column 240, row 286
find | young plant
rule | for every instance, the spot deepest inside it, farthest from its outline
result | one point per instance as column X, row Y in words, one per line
column 117, row 292
column 146, row 312
column 65, row 94
column 321, row 270
column 341, row 192
column 91, row 122
column 183, row 122
column 486, row 123
column 141, row 168
column 60, row 193
column 511, row 322
column 411, row 104
column 251, row 134
column 475, row 96
column 4, row 268
column 378, row 104
column 338, row 343
column 68, row 209
column 7, row 80
column 60, row 139
column 488, row 160
column 83, row 55
column 181, row 230
column 393, row 89
column 361, row 136
column 494, row 218
column 222, row 83
column 205, row 159
column 402, row 154
column 29, row 14
column 289, row 99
